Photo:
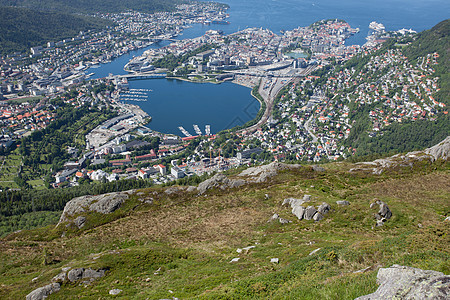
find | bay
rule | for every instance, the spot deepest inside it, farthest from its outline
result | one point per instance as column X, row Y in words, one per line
column 205, row 99
column 173, row 103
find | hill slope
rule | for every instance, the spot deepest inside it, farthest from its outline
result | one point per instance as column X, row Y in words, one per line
column 215, row 241
column 93, row 6
column 24, row 28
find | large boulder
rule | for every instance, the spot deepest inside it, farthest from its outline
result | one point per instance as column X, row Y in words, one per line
column 262, row 173
column 441, row 150
column 401, row 282
column 310, row 211
column 298, row 211
column 219, row 181
column 104, row 204
column 43, row 292
column 324, row 208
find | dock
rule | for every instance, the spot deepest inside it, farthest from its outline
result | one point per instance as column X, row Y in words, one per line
column 184, row 131
column 197, row 130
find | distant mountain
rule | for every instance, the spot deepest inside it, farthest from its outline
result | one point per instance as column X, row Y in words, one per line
column 93, row 6
column 22, row 28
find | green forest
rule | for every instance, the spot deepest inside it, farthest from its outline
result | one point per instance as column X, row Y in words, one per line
column 22, row 28
column 94, row 6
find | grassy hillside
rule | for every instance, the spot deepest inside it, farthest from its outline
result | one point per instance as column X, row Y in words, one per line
column 181, row 245
column 22, row 28
column 93, row 6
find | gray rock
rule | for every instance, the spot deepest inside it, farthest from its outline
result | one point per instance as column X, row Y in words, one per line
column 262, row 173
column 191, row 188
column 299, row 212
column 273, row 218
column 384, row 211
column 306, row 198
column 105, row 204
column 75, row 274
column 401, row 282
column 441, row 150
column 283, row 221
column 115, row 292
column 79, row 221
column 90, row 273
column 266, row 196
column 318, row 168
column 61, row 277
column 219, row 181
column 43, row 292
column 317, row 217
column 324, row 208
column 310, row 211
column 342, row 202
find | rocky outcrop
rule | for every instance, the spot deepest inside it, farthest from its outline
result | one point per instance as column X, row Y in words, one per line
column 401, row 282
column 81, row 273
column 265, row 172
column 219, row 181
column 308, row 213
column 342, row 202
column 104, row 204
column 44, row 292
column 439, row 151
column 384, row 213
column 66, row 274
column 276, row 217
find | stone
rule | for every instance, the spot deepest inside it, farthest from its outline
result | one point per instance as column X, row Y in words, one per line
column 235, row 259
column 306, row 198
column 79, row 221
column 317, row 217
column 43, row 292
column 274, row 260
column 342, row 202
column 324, row 208
column 283, row 221
column 441, row 150
column 115, row 292
column 219, row 181
column 318, row 168
column 263, row 173
column 299, row 212
column 75, row 274
column 266, row 196
column 402, row 282
column 104, row 204
column 61, row 277
column 384, row 211
column 90, row 273
column 273, row 218
column 314, row 251
column 309, row 213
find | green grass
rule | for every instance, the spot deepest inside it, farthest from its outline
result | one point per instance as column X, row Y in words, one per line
column 191, row 240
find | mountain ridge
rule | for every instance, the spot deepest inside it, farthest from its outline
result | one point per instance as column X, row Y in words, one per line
column 219, row 243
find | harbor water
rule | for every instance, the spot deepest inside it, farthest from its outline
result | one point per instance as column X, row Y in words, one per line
column 174, row 103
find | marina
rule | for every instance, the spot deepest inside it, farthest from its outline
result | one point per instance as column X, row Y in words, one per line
column 197, row 130
column 184, row 131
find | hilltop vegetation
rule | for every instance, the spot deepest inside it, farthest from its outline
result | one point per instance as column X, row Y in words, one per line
column 93, row 6
column 22, row 28
column 180, row 244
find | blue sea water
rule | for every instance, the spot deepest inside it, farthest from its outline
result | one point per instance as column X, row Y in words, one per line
column 173, row 103
column 176, row 103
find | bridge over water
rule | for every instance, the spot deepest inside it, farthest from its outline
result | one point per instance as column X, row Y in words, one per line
column 136, row 76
